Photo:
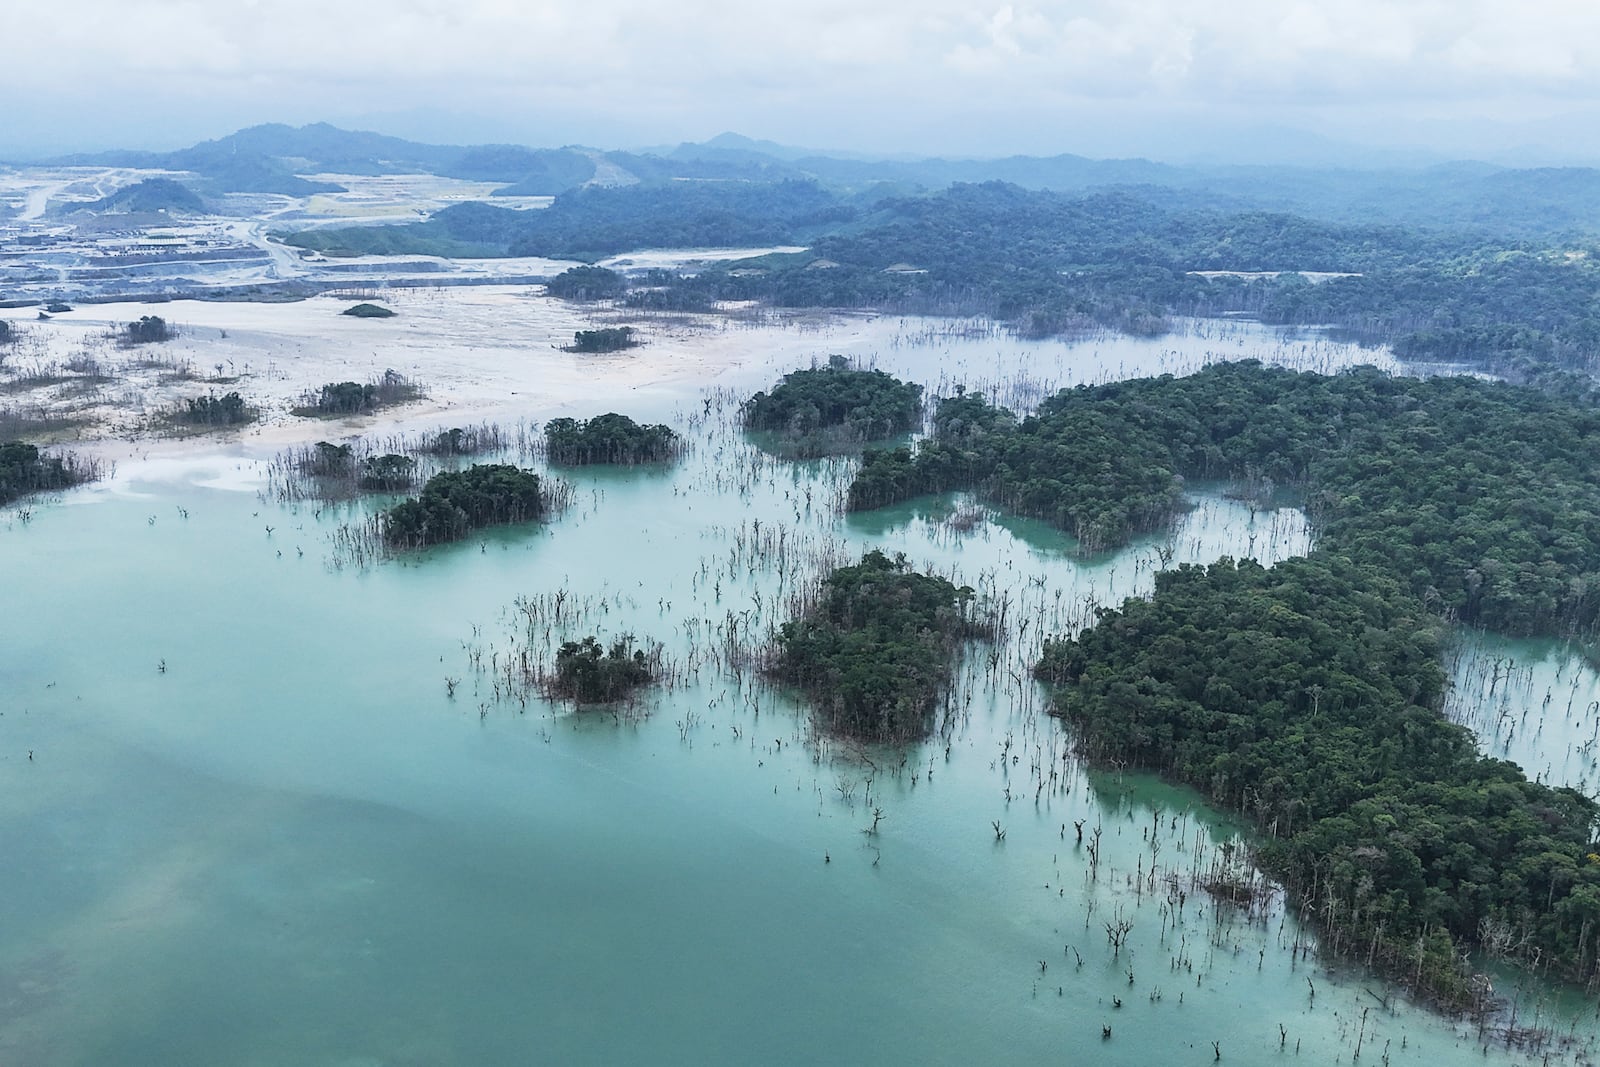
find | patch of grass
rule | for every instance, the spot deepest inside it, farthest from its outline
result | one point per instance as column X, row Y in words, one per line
column 27, row 383
column 36, row 423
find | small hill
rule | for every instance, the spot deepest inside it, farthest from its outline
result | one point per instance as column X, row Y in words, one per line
column 148, row 197
column 550, row 172
column 368, row 311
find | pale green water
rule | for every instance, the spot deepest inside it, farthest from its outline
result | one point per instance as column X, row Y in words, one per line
column 1536, row 703
column 292, row 847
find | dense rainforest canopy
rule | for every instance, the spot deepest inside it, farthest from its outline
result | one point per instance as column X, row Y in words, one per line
column 875, row 654
column 591, row 223
column 1307, row 696
column 1482, row 498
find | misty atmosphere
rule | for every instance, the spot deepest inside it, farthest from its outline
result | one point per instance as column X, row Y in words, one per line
column 614, row 533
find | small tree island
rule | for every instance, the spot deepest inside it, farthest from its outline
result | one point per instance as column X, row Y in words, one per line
column 368, row 311
column 454, row 503
column 587, row 673
column 150, row 329
column 610, row 438
column 358, row 398
column 587, row 283
column 214, row 412
column 834, row 408
column 606, row 339
column 874, row 654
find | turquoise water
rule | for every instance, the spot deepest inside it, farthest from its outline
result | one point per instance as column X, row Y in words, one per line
column 1534, row 702
column 256, row 827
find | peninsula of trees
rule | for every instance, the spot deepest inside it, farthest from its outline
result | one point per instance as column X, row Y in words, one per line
column 25, row 470
column 1482, row 498
column 1307, row 697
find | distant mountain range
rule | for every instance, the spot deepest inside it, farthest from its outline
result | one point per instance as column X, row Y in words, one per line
column 276, row 158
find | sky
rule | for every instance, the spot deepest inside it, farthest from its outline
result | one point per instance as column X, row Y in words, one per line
column 1250, row 80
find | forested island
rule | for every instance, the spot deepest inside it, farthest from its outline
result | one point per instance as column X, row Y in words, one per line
column 834, row 408
column 1308, row 695
column 368, row 311
column 590, row 673
column 609, row 438
column 587, row 283
column 148, row 330
column 874, row 655
column 604, row 339
column 454, row 503
column 213, row 412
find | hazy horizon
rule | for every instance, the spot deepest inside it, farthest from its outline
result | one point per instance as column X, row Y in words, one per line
column 1375, row 82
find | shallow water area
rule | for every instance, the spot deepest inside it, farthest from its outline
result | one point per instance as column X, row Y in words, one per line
column 246, row 820
column 1533, row 702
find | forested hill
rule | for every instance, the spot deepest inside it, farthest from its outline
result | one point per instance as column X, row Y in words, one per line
column 1049, row 263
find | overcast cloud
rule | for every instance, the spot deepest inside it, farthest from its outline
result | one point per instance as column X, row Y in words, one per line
column 1093, row 76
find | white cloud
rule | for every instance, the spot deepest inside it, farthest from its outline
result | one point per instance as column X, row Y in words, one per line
column 782, row 66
